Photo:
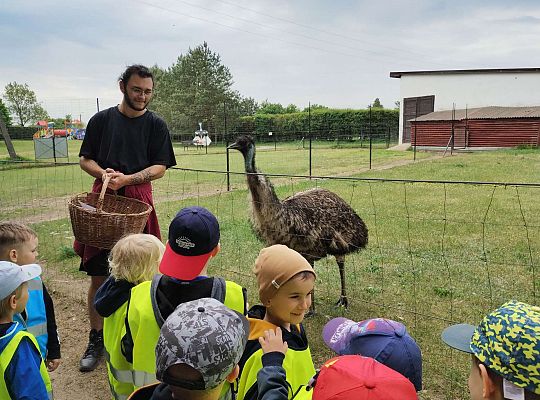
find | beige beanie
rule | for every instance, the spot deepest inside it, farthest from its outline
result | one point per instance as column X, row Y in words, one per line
column 274, row 266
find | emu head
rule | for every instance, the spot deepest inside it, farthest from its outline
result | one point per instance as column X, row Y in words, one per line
column 246, row 145
column 243, row 143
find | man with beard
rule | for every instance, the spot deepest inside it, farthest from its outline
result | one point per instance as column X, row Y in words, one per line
column 132, row 145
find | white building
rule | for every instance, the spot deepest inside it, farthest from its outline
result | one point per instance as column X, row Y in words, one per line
column 422, row 92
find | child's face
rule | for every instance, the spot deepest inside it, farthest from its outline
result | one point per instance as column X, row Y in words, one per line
column 27, row 252
column 475, row 381
column 21, row 301
column 291, row 302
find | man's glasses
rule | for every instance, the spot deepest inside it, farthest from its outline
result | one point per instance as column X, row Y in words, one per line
column 140, row 92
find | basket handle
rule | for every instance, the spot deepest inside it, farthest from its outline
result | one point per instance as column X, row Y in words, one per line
column 99, row 205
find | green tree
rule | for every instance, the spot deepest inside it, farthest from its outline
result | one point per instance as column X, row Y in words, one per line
column 5, row 121
column 315, row 107
column 4, row 114
column 194, row 90
column 377, row 103
column 271, row 108
column 22, row 102
column 247, row 106
column 291, row 108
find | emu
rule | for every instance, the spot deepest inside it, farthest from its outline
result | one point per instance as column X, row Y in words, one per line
column 315, row 223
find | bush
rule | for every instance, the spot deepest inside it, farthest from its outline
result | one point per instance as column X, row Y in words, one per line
column 325, row 124
column 21, row 132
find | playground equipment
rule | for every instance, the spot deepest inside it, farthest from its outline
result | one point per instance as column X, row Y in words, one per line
column 70, row 131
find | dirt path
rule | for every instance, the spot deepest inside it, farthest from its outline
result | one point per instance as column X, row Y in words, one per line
column 67, row 381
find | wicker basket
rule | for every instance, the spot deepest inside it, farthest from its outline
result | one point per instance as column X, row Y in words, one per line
column 100, row 220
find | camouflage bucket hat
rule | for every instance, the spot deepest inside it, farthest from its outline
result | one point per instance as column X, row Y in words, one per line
column 507, row 341
column 205, row 335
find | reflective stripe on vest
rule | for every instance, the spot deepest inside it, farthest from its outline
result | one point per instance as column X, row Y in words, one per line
column 141, row 378
column 119, row 370
column 7, row 355
column 36, row 316
column 145, row 329
column 121, row 375
column 35, row 284
column 37, row 330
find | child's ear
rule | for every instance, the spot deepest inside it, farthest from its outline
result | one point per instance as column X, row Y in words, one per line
column 488, row 386
column 13, row 302
column 234, row 374
column 13, row 255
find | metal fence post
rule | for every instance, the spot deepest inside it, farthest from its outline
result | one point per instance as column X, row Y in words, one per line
column 370, row 142
column 226, row 146
column 309, row 134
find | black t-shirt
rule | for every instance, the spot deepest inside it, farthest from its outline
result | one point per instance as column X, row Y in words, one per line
column 125, row 144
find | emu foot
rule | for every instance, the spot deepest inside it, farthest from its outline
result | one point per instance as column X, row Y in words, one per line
column 342, row 302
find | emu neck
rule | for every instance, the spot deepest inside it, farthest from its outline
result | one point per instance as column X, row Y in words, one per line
column 264, row 198
column 249, row 160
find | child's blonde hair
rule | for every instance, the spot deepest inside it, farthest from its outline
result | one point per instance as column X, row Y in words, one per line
column 135, row 258
column 12, row 236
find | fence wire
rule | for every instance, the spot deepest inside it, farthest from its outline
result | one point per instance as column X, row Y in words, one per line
column 439, row 252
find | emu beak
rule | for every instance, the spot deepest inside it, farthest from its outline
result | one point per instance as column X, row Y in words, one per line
column 234, row 146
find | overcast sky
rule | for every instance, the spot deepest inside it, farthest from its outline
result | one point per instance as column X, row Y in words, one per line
column 337, row 53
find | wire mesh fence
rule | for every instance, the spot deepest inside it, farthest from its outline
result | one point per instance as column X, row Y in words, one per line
column 439, row 252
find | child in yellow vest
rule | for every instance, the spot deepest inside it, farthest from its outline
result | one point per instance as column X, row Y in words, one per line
column 23, row 372
column 286, row 281
column 133, row 260
column 193, row 241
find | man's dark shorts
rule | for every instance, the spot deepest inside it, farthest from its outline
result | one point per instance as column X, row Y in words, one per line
column 97, row 265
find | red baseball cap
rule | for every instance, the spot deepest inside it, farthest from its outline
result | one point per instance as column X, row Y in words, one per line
column 354, row 377
column 193, row 235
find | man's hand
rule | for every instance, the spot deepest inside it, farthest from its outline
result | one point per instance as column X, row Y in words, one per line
column 273, row 341
column 118, row 180
column 52, row 364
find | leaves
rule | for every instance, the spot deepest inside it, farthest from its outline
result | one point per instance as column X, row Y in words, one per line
column 23, row 104
column 194, row 90
column 4, row 114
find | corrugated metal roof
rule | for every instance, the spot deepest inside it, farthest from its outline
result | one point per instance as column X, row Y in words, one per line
column 493, row 112
column 398, row 74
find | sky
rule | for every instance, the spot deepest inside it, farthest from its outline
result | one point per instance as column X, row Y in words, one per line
column 337, row 53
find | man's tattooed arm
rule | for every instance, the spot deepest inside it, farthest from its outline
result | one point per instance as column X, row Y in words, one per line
column 140, row 177
column 147, row 175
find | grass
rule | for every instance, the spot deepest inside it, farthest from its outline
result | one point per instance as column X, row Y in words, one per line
column 438, row 252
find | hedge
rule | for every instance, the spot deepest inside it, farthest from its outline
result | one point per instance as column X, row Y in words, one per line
column 324, row 123
column 21, row 132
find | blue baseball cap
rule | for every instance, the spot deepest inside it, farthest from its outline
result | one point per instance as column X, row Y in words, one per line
column 384, row 340
column 12, row 276
column 193, row 234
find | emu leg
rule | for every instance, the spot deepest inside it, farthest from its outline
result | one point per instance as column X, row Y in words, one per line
column 343, row 301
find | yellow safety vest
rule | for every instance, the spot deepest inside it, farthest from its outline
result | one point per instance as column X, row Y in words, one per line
column 7, row 355
column 120, row 371
column 145, row 329
column 297, row 363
